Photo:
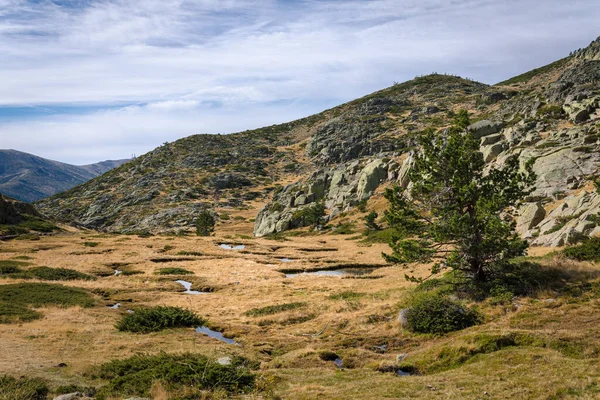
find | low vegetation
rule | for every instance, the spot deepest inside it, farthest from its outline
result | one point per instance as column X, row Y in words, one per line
column 431, row 312
column 44, row 294
column 586, row 251
column 186, row 376
column 23, row 388
column 173, row 271
column 274, row 309
column 146, row 320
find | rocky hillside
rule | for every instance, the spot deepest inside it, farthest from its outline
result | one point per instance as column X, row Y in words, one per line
column 17, row 218
column 29, row 178
column 342, row 156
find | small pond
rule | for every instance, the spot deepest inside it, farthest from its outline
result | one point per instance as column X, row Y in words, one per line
column 333, row 272
column 228, row 246
column 216, row 335
column 115, row 306
column 188, row 287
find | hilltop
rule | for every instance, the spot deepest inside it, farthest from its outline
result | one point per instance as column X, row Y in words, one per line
column 343, row 156
column 30, row 178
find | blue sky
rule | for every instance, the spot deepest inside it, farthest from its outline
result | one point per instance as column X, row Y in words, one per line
column 86, row 80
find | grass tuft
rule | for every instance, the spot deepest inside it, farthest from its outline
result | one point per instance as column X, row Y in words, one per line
column 22, row 388
column 274, row 309
column 173, row 271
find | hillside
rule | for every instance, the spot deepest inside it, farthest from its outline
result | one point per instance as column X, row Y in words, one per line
column 344, row 155
column 18, row 218
column 30, row 178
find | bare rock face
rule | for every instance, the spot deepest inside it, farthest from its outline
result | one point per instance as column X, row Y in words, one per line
column 530, row 215
column 485, row 128
column 340, row 188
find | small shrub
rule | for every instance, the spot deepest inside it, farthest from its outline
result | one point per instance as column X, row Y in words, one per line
column 434, row 313
column 145, row 320
column 205, row 225
column 135, row 376
column 586, row 251
column 370, row 221
column 22, row 388
column 274, row 309
column 189, row 253
column 224, row 217
column 347, row 295
column 173, row 271
column 91, row 244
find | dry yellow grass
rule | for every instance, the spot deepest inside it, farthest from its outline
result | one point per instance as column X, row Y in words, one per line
column 85, row 337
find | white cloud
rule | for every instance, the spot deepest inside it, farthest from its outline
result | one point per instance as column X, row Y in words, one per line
column 213, row 60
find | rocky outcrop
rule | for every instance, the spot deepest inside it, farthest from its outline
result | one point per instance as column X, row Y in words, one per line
column 484, row 128
column 340, row 189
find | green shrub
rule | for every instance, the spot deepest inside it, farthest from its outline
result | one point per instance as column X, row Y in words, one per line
column 205, row 225
column 15, row 313
column 173, row 271
column 347, row 295
column 586, row 251
column 134, row 376
column 189, row 253
column 371, row 221
column 434, row 313
column 42, row 294
column 22, row 388
column 274, row 309
column 58, row 274
column 91, row 244
column 145, row 320
column 38, row 225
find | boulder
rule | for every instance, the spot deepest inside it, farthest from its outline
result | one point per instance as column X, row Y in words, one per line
column 371, row 176
column 492, row 151
column 69, row 396
column 530, row 215
column 490, row 139
column 485, row 128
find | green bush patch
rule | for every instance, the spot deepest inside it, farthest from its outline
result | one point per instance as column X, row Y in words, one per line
column 134, row 376
column 434, row 313
column 347, row 295
column 43, row 273
column 15, row 313
column 146, row 320
column 173, row 271
column 22, row 388
column 587, row 251
column 274, row 309
column 42, row 294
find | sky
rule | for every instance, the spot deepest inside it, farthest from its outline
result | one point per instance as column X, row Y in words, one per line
column 88, row 80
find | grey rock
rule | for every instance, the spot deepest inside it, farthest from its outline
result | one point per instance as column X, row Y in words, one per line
column 69, row 396
column 485, row 127
column 490, row 139
column 530, row 215
column 492, row 151
column 403, row 317
column 371, row 176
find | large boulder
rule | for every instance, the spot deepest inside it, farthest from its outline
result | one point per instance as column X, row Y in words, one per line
column 370, row 178
column 530, row 215
column 484, row 128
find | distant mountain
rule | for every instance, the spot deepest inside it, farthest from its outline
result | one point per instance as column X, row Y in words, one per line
column 30, row 178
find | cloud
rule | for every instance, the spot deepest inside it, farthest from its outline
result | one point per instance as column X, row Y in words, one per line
column 181, row 63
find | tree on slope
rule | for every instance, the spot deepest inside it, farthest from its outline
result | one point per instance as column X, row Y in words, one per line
column 457, row 214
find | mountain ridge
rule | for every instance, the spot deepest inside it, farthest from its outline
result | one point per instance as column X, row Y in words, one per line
column 343, row 155
column 29, row 178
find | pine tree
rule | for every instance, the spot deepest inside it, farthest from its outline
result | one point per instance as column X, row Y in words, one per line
column 457, row 214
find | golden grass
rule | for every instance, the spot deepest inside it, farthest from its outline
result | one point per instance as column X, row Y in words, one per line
column 356, row 327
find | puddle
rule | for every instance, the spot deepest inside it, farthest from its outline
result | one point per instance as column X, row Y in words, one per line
column 399, row 372
column 115, row 306
column 232, row 246
column 286, row 260
column 118, row 272
column 334, row 272
column 338, row 362
column 188, row 287
column 216, row 335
